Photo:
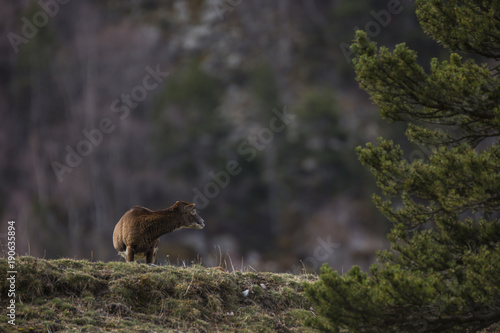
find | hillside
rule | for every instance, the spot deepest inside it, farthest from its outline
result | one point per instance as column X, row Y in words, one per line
column 83, row 296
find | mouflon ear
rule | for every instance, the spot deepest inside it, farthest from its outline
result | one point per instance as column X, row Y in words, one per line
column 176, row 206
column 189, row 208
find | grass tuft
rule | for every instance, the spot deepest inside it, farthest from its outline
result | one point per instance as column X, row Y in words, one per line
column 79, row 295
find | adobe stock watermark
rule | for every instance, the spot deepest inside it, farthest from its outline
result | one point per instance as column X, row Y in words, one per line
column 223, row 6
column 49, row 8
column 322, row 252
column 121, row 107
column 247, row 149
column 11, row 272
column 381, row 19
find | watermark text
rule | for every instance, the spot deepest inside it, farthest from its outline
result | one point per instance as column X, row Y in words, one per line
column 121, row 107
column 11, row 272
column 49, row 8
column 248, row 149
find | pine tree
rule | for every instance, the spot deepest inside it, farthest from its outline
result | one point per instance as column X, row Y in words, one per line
column 442, row 273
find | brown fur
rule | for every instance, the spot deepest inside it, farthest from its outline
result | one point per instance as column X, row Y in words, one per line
column 138, row 232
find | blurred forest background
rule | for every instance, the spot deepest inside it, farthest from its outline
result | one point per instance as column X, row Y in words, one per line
column 230, row 64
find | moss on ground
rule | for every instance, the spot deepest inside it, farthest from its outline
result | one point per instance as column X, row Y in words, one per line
column 82, row 296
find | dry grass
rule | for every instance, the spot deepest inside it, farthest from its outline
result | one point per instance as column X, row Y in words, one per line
column 82, row 296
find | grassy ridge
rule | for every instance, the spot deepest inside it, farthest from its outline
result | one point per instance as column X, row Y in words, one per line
column 78, row 295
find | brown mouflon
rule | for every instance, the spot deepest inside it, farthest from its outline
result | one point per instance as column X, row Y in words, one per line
column 138, row 232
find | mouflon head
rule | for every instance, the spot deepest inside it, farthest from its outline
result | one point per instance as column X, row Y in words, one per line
column 191, row 218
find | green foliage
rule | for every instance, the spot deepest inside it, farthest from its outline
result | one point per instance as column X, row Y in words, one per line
column 189, row 105
column 321, row 155
column 442, row 273
column 191, row 88
column 263, row 86
column 38, row 54
column 475, row 24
